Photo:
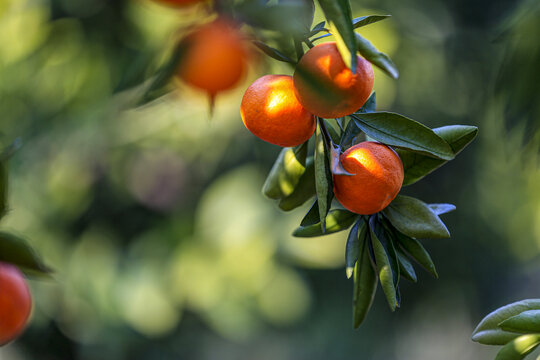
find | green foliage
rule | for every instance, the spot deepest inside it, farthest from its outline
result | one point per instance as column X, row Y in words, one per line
column 516, row 326
column 285, row 175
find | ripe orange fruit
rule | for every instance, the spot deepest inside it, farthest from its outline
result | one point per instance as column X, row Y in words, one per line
column 216, row 57
column 271, row 112
column 326, row 87
column 377, row 178
column 179, row 3
column 15, row 302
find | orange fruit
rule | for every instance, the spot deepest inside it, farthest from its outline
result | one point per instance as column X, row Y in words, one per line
column 179, row 3
column 15, row 302
column 327, row 87
column 377, row 178
column 271, row 112
column 216, row 57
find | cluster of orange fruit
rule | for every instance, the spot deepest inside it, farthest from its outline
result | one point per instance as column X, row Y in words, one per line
column 15, row 303
column 282, row 110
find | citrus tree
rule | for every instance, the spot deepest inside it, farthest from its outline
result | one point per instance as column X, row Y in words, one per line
column 341, row 153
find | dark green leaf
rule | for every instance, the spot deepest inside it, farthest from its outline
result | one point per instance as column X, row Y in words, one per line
column 384, row 269
column 287, row 17
column 525, row 322
column 338, row 15
column 334, row 136
column 365, row 282
column 352, row 249
column 518, row 348
column 337, row 220
column 288, row 168
column 336, row 167
column 370, row 105
column 414, row 218
column 3, row 188
column 323, row 177
column 374, row 56
column 366, row 20
column 488, row 331
column 317, row 29
column 440, row 209
column 159, row 84
column 15, row 250
column 418, row 166
column 273, row 53
column 312, row 216
column 397, row 130
column 349, row 135
column 405, row 266
column 417, row 252
column 304, row 190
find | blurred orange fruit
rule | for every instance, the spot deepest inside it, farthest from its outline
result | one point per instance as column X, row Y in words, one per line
column 216, row 57
column 377, row 178
column 327, row 87
column 271, row 112
column 15, row 302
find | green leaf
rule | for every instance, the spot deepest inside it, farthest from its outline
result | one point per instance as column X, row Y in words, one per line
column 336, row 167
column 440, row 209
column 304, row 190
column 405, row 266
column 365, row 282
column 334, row 136
column 15, row 250
column 370, row 105
column 377, row 58
column 352, row 249
column 338, row 15
column 366, row 20
column 384, row 269
column 417, row 252
column 337, row 220
column 286, row 172
column 312, row 216
column 273, row 53
column 518, row 348
column 414, row 218
column 488, row 331
column 525, row 322
column 3, row 188
column 317, row 29
column 159, row 84
column 417, row 166
column 397, row 130
column 323, row 177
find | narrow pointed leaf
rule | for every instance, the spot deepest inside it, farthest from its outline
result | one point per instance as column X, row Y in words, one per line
column 377, row 58
column 17, row 251
column 352, row 248
column 337, row 220
column 370, row 105
column 518, row 348
column 3, row 188
column 488, row 331
column 312, row 216
column 399, row 131
column 525, row 322
column 286, row 172
column 415, row 249
column 317, row 28
column 365, row 282
column 440, row 209
column 303, row 191
column 366, row 20
column 417, row 166
column 323, row 177
column 405, row 266
column 335, row 163
column 384, row 269
column 273, row 53
column 349, row 135
column 338, row 16
column 414, row 218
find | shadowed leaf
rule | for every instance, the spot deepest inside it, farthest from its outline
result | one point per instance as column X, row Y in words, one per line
column 366, row 20
column 286, row 172
column 377, row 58
column 15, row 250
column 365, row 281
column 337, row 220
column 303, row 191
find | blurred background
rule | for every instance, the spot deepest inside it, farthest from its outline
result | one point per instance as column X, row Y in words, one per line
column 152, row 215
